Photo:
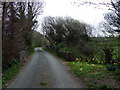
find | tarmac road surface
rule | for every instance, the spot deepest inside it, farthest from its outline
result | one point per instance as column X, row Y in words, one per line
column 44, row 70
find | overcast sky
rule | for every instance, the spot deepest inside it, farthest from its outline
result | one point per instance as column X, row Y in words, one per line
column 90, row 14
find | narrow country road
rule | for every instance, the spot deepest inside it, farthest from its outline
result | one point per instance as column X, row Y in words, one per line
column 45, row 71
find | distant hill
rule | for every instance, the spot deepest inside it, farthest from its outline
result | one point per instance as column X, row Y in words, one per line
column 39, row 39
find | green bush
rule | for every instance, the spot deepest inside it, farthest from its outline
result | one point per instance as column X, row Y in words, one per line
column 108, row 54
column 13, row 61
column 10, row 72
column 68, row 56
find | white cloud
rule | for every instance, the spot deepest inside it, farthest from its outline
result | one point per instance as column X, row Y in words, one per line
column 88, row 15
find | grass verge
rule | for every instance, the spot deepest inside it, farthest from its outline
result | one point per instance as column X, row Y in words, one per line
column 95, row 75
column 9, row 73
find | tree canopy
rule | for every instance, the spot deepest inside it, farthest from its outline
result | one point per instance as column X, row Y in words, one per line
column 68, row 30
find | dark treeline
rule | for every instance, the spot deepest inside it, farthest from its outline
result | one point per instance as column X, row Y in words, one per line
column 68, row 36
column 18, row 24
column 66, row 30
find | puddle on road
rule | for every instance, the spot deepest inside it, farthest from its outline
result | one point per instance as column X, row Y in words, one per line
column 45, row 73
column 44, row 83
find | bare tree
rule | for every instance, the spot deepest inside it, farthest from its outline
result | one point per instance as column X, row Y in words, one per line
column 18, row 23
column 114, row 17
column 107, row 29
column 34, row 9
